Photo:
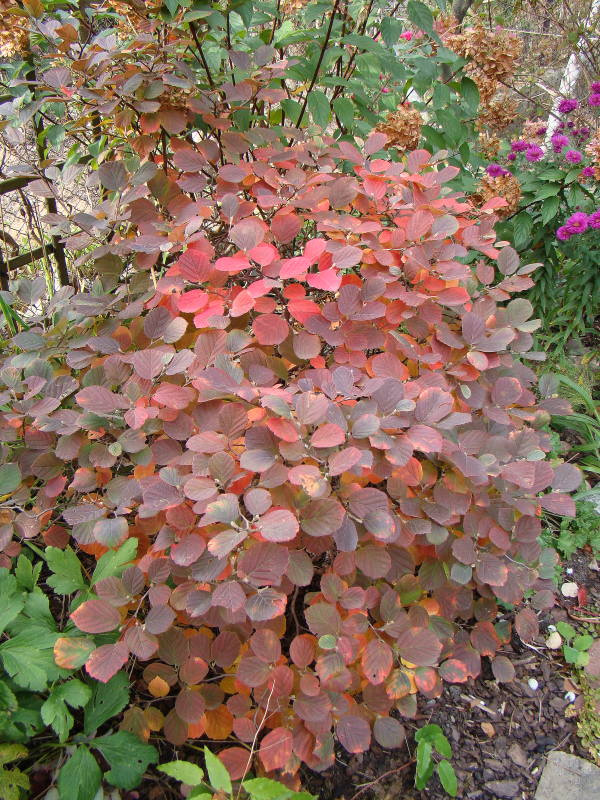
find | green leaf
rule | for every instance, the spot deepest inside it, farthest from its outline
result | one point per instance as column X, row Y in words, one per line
column 549, row 208
column 183, row 771
column 28, row 658
column 10, row 478
column 344, row 110
column 80, row 777
column 11, row 783
column 66, row 568
column 420, row 15
column 522, row 225
column 318, row 105
column 391, row 28
column 217, row 772
column 107, row 700
column 292, row 109
column 267, row 789
column 470, row 93
column 127, row 756
column 55, row 712
column 425, row 765
column 114, row 562
column 442, row 745
column 447, row 777
column 26, row 574
column 583, row 642
column 566, row 631
column 11, row 602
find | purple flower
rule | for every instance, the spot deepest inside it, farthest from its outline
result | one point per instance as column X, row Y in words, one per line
column 563, row 234
column 588, row 172
column 559, row 141
column 511, row 156
column 594, row 99
column 577, row 223
column 595, row 87
column 541, row 131
column 519, row 146
column 570, row 124
column 566, row 106
column 594, row 219
column 495, row 170
column 534, row 153
column 573, row 156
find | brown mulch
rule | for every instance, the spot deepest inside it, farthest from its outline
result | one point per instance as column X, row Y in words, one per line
column 500, row 733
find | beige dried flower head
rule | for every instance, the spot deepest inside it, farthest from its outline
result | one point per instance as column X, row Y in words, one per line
column 492, row 55
column 14, row 36
column 489, row 145
column 593, row 147
column 292, row 6
column 506, row 186
column 402, row 127
column 497, row 113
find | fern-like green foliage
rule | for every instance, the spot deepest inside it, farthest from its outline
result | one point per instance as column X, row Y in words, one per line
column 12, row 780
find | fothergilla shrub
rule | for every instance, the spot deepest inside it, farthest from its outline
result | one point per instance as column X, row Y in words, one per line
column 317, row 431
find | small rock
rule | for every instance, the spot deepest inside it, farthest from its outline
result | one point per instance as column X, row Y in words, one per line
column 569, row 589
column 533, row 684
column 506, row 789
column 518, row 755
column 554, row 641
column 567, row 776
column 488, row 729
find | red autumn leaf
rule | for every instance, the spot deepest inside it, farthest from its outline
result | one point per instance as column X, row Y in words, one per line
column 100, row 400
column 96, row 616
column 276, row 749
column 270, row 329
column 420, row 646
column 388, row 732
column 377, row 661
column 192, row 301
column 328, row 435
column 527, row 624
column 285, row 226
column 248, row 233
column 503, row 670
column 353, row 733
column 343, row 460
column 454, row 671
column 106, row 661
column 279, row 525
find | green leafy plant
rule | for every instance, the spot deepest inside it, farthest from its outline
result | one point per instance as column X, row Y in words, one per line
column 218, row 783
column 576, row 645
column 12, row 781
column 431, row 745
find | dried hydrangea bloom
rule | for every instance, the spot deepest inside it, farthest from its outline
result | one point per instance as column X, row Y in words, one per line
column 505, row 186
column 402, row 127
column 489, row 144
column 497, row 114
column 492, row 56
column 14, row 37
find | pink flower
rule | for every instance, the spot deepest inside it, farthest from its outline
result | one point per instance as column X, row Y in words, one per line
column 568, row 105
column 577, row 223
column 408, row 35
column 573, row 156
column 511, row 156
column 594, row 219
column 595, row 87
column 559, row 141
column 519, row 146
column 385, row 91
column 563, row 234
column 594, row 99
column 495, row 170
column 588, row 172
column 534, row 153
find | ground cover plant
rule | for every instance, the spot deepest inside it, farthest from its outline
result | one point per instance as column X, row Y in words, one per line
column 274, row 453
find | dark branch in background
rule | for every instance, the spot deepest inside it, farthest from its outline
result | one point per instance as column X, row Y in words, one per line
column 57, row 245
column 460, row 9
column 201, row 54
column 319, row 62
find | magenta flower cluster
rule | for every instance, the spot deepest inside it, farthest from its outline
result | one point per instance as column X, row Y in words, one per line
column 578, row 223
column 568, row 105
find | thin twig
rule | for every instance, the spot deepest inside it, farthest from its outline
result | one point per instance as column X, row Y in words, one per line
column 319, row 62
column 381, row 777
column 201, row 54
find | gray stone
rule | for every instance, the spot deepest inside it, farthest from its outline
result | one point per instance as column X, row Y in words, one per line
column 506, row 789
column 566, row 776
